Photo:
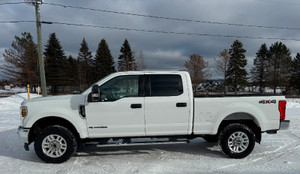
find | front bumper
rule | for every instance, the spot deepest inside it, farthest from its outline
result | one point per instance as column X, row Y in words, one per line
column 23, row 134
column 284, row 124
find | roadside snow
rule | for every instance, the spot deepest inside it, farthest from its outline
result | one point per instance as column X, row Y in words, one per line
column 2, row 91
column 13, row 102
column 14, row 90
column 293, row 103
column 293, row 107
column 276, row 154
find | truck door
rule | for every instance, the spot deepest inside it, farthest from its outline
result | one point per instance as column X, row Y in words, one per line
column 167, row 104
column 120, row 109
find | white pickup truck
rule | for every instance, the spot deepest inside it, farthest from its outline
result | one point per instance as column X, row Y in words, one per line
column 127, row 105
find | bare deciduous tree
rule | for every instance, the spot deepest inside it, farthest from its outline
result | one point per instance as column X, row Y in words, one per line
column 21, row 61
column 222, row 65
column 198, row 69
column 140, row 61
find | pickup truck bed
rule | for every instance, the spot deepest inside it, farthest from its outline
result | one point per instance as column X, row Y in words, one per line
column 211, row 111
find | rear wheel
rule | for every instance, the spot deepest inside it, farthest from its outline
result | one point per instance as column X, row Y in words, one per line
column 237, row 140
column 55, row 144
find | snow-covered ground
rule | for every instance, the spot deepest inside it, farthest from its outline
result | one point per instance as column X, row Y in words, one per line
column 14, row 90
column 278, row 153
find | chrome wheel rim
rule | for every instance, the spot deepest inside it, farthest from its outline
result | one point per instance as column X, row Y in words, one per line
column 238, row 142
column 54, row 146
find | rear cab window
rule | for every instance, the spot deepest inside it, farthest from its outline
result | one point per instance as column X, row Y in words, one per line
column 165, row 85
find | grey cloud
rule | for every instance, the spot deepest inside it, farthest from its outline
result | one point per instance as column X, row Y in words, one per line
column 161, row 51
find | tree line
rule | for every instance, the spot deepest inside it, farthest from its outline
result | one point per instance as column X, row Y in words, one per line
column 272, row 67
column 61, row 70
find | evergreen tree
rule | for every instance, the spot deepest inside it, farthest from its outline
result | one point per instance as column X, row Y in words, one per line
column 236, row 74
column 126, row 59
column 72, row 78
column 104, row 62
column 21, row 62
column 258, row 72
column 295, row 78
column 85, row 64
column 279, row 66
column 55, row 64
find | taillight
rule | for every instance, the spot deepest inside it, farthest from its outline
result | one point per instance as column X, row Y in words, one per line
column 282, row 109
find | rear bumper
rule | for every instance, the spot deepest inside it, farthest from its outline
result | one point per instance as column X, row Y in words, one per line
column 284, row 124
column 23, row 134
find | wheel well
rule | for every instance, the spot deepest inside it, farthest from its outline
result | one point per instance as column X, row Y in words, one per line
column 49, row 121
column 242, row 118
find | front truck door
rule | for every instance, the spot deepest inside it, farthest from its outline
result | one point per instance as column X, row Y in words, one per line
column 120, row 109
column 167, row 103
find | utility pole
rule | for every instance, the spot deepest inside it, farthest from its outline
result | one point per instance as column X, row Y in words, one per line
column 40, row 48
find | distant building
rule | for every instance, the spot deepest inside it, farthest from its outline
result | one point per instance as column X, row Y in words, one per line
column 7, row 87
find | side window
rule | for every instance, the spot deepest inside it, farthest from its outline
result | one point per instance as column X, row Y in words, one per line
column 119, row 87
column 165, row 85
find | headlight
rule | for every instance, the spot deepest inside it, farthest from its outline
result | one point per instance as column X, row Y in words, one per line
column 24, row 111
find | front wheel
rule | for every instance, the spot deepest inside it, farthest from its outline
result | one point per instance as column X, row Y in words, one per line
column 237, row 140
column 55, row 144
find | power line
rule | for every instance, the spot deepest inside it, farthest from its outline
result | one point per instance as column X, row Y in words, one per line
column 12, row 3
column 172, row 32
column 163, row 17
column 12, row 22
column 155, row 31
column 173, row 18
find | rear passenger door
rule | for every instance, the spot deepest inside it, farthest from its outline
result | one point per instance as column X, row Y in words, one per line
column 167, row 105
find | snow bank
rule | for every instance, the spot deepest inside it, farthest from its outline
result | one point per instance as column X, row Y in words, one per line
column 13, row 102
column 19, row 89
column 14, row 90
column 3, row 91
column 293, row 103
column 293, row 107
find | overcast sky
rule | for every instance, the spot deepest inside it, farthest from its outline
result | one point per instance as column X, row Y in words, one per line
column 161, row 51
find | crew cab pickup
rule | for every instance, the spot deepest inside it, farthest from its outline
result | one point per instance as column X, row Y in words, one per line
column 127, row 105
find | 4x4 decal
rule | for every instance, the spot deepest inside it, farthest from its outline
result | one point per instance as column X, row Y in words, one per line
column 267, row 102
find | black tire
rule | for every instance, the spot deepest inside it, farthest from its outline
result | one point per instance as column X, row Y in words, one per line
column 59, row 144
column 211, row 138
column 237, row 140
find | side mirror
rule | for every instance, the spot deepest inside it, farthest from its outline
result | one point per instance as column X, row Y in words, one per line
column 95, row 93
